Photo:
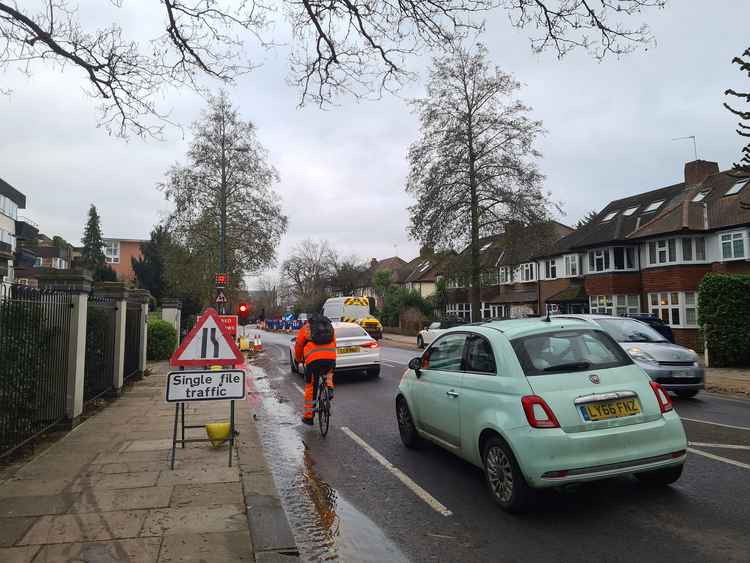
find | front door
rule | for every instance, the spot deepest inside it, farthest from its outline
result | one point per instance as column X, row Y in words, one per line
column 437, row 391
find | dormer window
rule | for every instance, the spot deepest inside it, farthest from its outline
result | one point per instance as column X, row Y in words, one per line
column 700, row 196
column 630, row 210
column 485, row 247
column 610, row 216
column 653, row 206
column 737, row 187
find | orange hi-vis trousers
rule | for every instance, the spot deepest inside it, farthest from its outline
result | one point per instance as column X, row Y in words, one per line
column 312, row 370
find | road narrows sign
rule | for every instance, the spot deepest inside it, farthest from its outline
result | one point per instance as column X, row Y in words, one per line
column 207, row 344
column 220, row 297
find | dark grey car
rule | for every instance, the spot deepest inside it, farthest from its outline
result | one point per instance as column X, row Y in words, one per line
column 674, row 367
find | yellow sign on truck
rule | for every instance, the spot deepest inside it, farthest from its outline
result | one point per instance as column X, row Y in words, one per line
column 353, row 310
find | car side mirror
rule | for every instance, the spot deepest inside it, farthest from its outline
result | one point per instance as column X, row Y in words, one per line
column 416, row 365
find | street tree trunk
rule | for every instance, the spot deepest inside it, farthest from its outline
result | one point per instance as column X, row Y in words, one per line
column 476, row 301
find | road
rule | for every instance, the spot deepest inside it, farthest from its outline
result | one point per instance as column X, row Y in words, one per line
column 346, row 502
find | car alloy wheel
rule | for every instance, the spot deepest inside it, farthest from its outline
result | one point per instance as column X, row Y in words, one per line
column 499, row 474
column 406, row 428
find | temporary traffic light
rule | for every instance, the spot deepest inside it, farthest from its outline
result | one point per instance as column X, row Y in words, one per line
column 243, row 313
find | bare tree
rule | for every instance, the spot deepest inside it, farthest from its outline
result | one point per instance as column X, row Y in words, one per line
column 309, row 270
column 743, row 127
column 223, row 198
column 473, row 170
column 348, row 274
column 358, row 47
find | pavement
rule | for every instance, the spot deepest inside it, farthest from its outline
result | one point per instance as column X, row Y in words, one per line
column 360, row 491
column 105, row 492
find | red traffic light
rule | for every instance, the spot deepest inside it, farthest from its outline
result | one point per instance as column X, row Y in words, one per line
column 243, row 308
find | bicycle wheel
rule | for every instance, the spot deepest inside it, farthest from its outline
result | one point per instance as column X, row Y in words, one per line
column 324, row 410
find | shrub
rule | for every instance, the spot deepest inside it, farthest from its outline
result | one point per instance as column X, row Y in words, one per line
column 162, row 340
column 399, row 299
column 724, row 318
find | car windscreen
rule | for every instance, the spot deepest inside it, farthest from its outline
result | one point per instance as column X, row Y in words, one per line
column 568, row 350
column 629, row 330
column 349, row 332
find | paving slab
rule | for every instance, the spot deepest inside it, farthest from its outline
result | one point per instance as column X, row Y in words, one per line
column 269, row 527
column 205, row 494
column 97, row 500
column 146, row 445
column 36, row 505
column 195, row 520
column 220, row 547
column 259, row 483
column 199, row 475
column 129, row 467
column 34, row 487
column 23, row 554
column 13, row 529
column 140, row 550
column 71, row 528
column 276, row 557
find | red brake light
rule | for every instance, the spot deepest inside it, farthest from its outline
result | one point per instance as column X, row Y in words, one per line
column 538, row 412
column 373, row 344
column 665, row 403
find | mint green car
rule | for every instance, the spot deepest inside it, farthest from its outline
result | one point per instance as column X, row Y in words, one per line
column 538, row 403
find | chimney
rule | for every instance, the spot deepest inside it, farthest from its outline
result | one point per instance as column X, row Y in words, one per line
column 698, row 170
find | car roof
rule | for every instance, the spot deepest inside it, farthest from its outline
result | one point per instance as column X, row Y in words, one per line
column 340, row 324
column 515, row 328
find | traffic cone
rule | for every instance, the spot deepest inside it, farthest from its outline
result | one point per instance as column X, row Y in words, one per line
column 258, row 343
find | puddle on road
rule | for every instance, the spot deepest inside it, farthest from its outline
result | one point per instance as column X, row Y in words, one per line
column 326, row 526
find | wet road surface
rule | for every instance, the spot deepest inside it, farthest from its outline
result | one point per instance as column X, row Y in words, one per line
column 346, row 503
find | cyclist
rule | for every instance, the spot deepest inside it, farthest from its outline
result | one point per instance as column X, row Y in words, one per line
column 316, row 346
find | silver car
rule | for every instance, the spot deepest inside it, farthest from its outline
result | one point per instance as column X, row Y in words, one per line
column 355, row 350
column 674, row 367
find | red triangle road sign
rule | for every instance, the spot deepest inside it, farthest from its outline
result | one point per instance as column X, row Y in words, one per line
column 207, row 344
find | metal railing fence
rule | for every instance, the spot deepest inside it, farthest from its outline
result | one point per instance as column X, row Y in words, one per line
column 133, row 328
column 100, row 347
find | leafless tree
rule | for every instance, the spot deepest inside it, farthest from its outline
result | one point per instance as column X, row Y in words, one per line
column 309, row 270
column 743, row 127
column 223, row 197
column 473, row 170
column 358, row 47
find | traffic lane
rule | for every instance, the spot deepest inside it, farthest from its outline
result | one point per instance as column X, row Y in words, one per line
column 477, row 522
column 712, row 408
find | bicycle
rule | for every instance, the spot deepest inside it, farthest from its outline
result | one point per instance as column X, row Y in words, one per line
column 323, row 408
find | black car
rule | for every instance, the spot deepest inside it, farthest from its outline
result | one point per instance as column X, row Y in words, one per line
column 656, row 323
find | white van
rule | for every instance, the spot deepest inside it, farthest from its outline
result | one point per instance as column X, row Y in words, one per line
column 353, row 310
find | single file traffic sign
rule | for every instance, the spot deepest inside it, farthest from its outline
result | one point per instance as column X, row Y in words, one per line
column 221, row 385
column 209, row 343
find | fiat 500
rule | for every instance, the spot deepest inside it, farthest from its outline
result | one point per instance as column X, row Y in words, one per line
column 538, row 403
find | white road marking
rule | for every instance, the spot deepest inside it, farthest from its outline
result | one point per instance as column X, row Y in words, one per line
column 299, row 388
column 720, row 446
column 431, row 501
column 715, row 423
column 389, row 364
column 719, row 458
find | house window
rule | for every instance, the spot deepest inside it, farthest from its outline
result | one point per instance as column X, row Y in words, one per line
column 691, row 249
column 494, row 311
column 462, row 310
column 599, row 260
column 700, row 248
column 571, row 265
column 653, row 206
column 630, row 210
column 687, row 249
column 112, row 251
column 614, row 304
column 506, row 275
column 700, row 196
column 8, row 207
column 489, row 278
column 609, row 216
column 733, row 245
column 550, row 269
column 675, row 308
column 38, row 262
column 527, row 272
column 624, row 258
column 737, row 187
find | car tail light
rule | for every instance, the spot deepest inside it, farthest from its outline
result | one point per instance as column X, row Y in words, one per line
column 538, row 412
column 373, row 344
column 665, row 403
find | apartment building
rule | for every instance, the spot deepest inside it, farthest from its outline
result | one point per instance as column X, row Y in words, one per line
column 11, row 200
column 119, row 252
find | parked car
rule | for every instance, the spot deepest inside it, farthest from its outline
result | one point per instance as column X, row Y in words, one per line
column 427, row 335
column 673, row 366
column 656, row 323
column 355, row 350
column 540, row 403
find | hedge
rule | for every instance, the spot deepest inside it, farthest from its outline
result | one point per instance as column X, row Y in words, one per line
column 162, row 340
column 724, row 318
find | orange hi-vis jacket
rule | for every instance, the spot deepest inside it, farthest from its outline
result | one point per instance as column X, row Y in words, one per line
column 306, row 350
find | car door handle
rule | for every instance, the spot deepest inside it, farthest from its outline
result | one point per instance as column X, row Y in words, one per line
column 452, row 394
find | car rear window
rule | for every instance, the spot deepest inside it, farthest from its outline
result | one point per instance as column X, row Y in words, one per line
column 349, row 331
column 629, row 330
column 568, row 351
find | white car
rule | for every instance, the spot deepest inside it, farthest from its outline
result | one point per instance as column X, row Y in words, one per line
column 355, row 350
column 427, row 335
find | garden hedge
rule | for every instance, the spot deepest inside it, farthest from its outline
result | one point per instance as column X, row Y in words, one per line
column 162, row 340
column 724, row 317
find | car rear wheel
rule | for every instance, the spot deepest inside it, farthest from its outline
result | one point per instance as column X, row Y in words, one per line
column 660, row 477
column 505, row 481
column 373, row 372
column 420, row 341
column 406, row 429
column 687, row 394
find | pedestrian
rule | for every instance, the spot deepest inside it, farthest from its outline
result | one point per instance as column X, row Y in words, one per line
column 315, row 346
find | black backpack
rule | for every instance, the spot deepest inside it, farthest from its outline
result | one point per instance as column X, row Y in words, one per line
column 321, row 329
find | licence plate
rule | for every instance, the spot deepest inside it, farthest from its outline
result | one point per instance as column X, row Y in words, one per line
column 348, row 350
column 612, row 409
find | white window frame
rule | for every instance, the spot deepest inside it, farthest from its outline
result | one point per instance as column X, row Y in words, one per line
column 610, row 216
column 112, row 251
column 506, row 275
column 737, row 187
column 700, row 196
column 731, row 237
column 527, row 272
column 462, row 310
column 606, row 256
column 617, row 304
column 653, row 206
column 669, row 251
column 630, row 210
column 490, row 278
column 572, row 266
column 550, row 269
column 672, row 307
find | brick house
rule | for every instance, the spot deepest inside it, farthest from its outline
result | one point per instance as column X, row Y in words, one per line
column 649, row 252
column 119, row 252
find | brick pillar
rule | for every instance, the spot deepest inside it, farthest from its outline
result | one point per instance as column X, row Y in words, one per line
column 142, row 297
column 79, row 285
column 118, row 292
column 171, row 310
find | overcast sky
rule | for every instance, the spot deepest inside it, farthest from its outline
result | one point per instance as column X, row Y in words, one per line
column 343, row 170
